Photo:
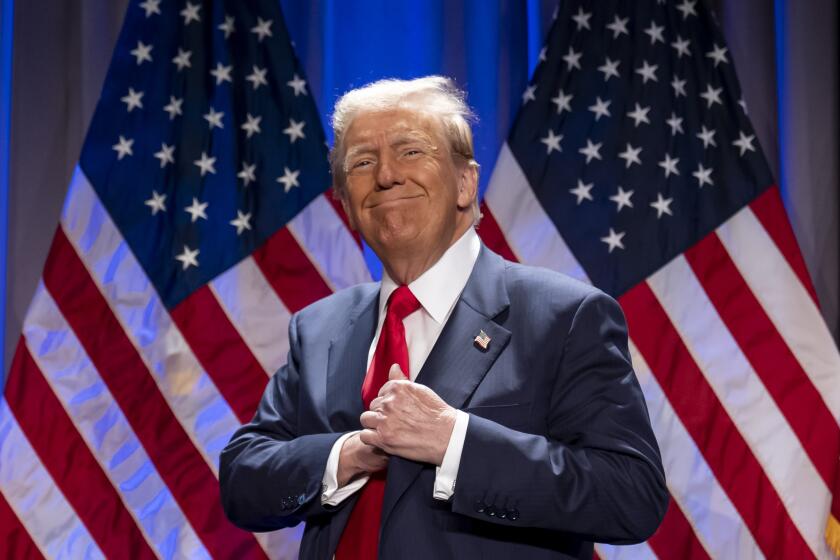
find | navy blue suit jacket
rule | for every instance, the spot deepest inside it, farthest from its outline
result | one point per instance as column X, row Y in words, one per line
column 558, row 453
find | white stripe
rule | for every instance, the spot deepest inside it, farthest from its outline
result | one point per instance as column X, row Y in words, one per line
column 283, row 544
column 715, row 521
column 323, row 236
column 529, row 231
column 641, row 551
column 256, row 312
column 786, row 302
column 99, row 420
column 36, row 500
column 744, row 398
column 194, row 399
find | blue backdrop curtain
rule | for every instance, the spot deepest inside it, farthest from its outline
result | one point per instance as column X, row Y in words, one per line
column 785, row 53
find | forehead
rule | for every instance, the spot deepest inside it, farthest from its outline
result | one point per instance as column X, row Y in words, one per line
column 370, row 127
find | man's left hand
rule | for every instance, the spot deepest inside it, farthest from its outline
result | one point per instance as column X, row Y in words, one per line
column 408, row 420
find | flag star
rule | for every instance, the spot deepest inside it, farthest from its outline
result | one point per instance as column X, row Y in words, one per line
column 150, row 7
column 132, row 100
column 718, row 54
column 631, row 155
column 601, row 108
column 142, row 53
column 675, row 123
column 248, row 173
column 543, row 54
column 227, row 26
column 609, row 68
column 295, row 130
column 206, row 164
column 182, row 60
column 744, row 142
column 639, row 115
column 707, row 136
column 662, row 205
column 257, row 77
column 262, row 29
column 591, row 151
column 614, row 240
column 582, row 191
column 552, row 142
column 681, row 45
column 242, row 222
column 157, row 203
column 174, row 107
column 622, row 199
column 190, row 13
column 222, row 73
column 166, row 154
column 647, row 72
column 196, row 210
column 572, row 59
column 743, row 105
column 214, row 118
column 289, row 179
column 712, row 95
column 679, row 87
column 618, row 26
column 687, row 8
column 528, row 94
column 252, row 125
column 298, row 85
column 123, row 147
column 562, row 101
column 703, row 175
column 188, row 258
column 655, row 33
column 669, row 164
column 582, row 18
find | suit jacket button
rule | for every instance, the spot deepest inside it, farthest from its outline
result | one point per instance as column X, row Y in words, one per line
column 513, row 514
column 301, row 499
column 502, row 513
column 479, row 506
column 491, row 511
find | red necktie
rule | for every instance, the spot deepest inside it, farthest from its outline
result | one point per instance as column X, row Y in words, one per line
column 360, row 539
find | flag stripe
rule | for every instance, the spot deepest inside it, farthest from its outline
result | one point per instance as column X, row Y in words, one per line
column 786, row 302
column 32, row 494
column 492, row 235
column 729, row 375
column 190, row 479
column 290, row 271
column 336, row 204
column 708, row 509
column 712, row 429
column 17, row 542
column 255, row 310
column 69, row 461
column 641, row 551
column 675, row 537
column 768, row 354
column 221, row 351
column 770, row 212
column 61, row 359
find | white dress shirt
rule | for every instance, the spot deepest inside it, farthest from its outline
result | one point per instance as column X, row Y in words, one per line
column 437, row 290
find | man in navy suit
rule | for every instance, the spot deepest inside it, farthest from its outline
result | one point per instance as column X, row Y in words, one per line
column 518, row 430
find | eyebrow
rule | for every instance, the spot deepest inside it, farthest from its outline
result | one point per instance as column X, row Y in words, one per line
column 400, row 138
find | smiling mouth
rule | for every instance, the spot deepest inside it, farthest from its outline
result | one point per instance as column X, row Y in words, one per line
column 393, row 201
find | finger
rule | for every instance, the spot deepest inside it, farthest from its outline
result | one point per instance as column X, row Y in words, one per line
column 370, row 419
column 396, row 373
column 371, row 437
column 376, row 404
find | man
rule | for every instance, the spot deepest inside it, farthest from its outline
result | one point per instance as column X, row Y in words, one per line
column 464, row 407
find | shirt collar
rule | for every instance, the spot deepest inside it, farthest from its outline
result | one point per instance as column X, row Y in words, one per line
column 438, row 288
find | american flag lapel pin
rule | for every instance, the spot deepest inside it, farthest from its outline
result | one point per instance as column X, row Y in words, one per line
column 482, row 340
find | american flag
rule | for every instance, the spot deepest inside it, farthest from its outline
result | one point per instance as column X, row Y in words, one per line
column 195, row 224
column 633, row 165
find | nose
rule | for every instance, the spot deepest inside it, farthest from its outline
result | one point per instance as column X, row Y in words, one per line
column 388, row 173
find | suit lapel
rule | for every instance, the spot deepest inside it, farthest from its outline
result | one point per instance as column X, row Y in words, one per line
column 456, row 365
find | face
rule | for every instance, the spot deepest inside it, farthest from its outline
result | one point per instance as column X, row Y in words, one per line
column 406, row 194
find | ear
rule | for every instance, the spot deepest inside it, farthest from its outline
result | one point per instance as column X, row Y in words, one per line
column 467, row 185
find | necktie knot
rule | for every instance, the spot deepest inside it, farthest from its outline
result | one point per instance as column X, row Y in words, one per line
column 402, row 303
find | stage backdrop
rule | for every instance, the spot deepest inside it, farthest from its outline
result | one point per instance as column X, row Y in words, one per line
column 785, row 53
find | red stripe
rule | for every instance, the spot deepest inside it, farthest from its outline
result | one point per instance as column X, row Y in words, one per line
column 223, row 354
column 339, row 209
column 717, row 437
column 15, row 541
column 490, row 232
column 69, row 461
column 770, row 211
column 675, row 537
column 768, row 353
column 290, row 272
column 182, row 469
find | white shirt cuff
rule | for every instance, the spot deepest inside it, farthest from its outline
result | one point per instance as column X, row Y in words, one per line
column 447, row 472
column 331, row 494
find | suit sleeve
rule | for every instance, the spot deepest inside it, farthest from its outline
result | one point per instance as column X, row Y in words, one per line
column 271, row 476
column 597, row 473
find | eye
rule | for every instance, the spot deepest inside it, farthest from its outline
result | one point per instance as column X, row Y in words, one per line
column 361, row 163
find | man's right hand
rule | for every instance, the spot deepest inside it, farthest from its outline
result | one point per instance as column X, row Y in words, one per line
column 357, row 458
